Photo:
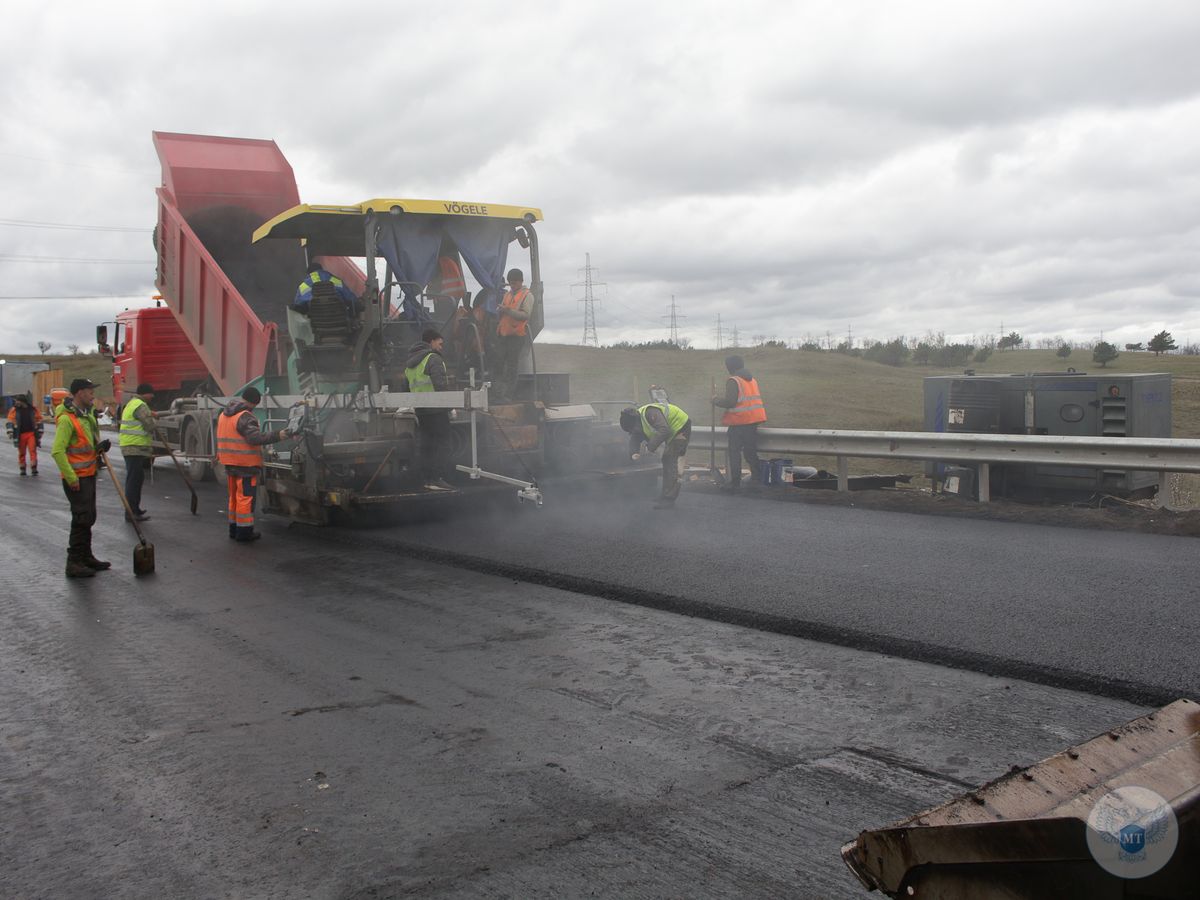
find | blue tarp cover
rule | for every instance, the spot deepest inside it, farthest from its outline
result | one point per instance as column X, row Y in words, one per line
column 411, row 245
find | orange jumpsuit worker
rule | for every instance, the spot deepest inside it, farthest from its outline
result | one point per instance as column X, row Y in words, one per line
column 744, row 412
column 239, row 450
column 25, row 430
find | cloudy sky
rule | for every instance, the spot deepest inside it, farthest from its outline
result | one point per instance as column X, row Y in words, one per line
column 799, row 168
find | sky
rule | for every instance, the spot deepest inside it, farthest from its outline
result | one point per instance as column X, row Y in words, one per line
column 803, row 169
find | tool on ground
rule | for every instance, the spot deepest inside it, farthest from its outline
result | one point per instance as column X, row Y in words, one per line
column 143, row 553
column 717, row 477
column 179, row 466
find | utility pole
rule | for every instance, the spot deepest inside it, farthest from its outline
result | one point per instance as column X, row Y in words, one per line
column 720, row 337
column 849, row 337
column 589, row 302
column 734, row 340
column 674, row 317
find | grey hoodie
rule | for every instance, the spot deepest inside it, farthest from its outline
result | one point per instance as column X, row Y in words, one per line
column 436, row 370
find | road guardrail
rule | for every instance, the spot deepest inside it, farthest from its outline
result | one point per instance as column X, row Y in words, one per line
column 1162, row 455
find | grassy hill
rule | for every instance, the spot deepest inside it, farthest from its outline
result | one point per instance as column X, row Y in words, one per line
column 805, row 389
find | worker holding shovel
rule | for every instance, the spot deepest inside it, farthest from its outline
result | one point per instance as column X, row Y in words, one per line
column 76, row 447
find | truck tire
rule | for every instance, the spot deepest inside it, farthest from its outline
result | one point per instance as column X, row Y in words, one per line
column 193, row 446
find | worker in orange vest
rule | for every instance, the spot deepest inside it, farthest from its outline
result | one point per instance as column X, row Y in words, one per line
column 512, row 332
column 239, row 450
column 25, row 430
column 76, row 450
column 744, row 412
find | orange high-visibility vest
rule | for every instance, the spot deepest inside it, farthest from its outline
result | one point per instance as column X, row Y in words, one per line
column 749, row 409
column 508, row 325
column 232, row 448
column 451, row 278
column 81, row 452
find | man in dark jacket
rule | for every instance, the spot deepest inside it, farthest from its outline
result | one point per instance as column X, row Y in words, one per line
column 425, row 372
column 239, row 450
column 744, row 412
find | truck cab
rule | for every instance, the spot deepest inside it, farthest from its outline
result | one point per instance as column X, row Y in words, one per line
column 149, row 346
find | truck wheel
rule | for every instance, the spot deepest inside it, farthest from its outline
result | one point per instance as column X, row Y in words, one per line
column 197, row 469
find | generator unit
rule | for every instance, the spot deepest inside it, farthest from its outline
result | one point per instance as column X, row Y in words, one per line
column 1070, row 404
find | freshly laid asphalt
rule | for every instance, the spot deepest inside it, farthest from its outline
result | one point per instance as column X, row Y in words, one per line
column 1112, row 613
column 348, row 714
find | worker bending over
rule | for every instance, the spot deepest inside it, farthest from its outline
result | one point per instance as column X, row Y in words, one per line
column 76, row 442
column 239, row 450
column 660, row 425
column 425, row 372
column 25, row 430
column 744, row 412
column 137, row 425
column 511, row 331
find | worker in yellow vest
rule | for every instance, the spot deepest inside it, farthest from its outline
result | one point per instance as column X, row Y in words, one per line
column 512, row 331
column 76, row 442
column 660, row 425
column 137, row 446
column 744, row 412
column 425, row 372
column 239, row 450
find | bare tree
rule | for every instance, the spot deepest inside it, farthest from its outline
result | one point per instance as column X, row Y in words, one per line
column 74, row 348
column 44, row 346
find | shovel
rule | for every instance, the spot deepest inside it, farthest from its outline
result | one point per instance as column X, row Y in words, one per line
column 717, row 477
column 143, row 553
column 179, row 466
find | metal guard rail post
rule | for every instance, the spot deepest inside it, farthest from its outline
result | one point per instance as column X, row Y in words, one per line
column 1162, row 455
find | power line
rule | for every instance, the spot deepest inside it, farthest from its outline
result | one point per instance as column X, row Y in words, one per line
column 590, row 338
column 720, row 337
column 674, row 317
column 24, row 223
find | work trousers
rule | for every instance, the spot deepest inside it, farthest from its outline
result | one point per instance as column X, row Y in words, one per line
column 743, row 441
column 243, row 491
column 135, row 476
column 508, row 364
column 672, row 464
column 27, row 445
column 83, row 517
column 434, row 437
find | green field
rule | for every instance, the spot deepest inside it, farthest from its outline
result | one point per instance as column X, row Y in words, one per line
column 807, row 389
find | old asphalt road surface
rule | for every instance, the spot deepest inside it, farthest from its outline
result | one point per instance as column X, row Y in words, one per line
column 325, row 717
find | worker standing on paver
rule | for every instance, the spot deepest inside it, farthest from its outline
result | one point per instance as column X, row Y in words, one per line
column 660, row 425
column 511, row 331
column 137, row 425
column 25, row 430
column 239, row 450
column 425, row 372
column 76, row 441
column 744, row 412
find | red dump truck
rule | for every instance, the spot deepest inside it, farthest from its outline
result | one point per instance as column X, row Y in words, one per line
column 234, row 241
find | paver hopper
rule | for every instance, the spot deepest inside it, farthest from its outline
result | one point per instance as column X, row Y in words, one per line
column 1116, row 817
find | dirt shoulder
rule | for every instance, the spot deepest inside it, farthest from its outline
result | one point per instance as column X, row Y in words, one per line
column 1113, row 515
